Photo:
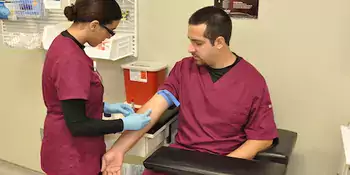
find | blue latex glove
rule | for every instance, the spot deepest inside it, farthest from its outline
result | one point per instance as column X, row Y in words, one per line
column 136, row 121
column 122, row 108
column 4, row 11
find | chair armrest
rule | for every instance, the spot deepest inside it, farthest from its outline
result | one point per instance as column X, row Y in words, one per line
column 164, row 118
column 183, row 162
column 282, row 151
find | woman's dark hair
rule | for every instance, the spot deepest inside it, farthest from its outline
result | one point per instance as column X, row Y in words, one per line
column 218, row 23
column 104, row 11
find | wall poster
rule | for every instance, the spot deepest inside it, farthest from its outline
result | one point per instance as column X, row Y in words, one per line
column 239, row 8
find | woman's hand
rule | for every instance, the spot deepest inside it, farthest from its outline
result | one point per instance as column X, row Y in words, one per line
column 136, row 121
column 122, row 108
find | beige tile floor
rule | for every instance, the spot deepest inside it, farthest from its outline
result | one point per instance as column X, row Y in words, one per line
column 11, row 169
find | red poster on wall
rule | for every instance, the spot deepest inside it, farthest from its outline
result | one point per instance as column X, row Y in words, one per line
column 239, row 8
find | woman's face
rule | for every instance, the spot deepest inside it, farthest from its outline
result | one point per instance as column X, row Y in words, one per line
column 98, row 32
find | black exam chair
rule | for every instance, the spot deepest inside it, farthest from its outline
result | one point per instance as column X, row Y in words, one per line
column 281, row 152
column 173, row 161
column 273, row 161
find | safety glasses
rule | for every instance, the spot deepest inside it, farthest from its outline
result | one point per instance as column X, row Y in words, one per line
column 108, row 30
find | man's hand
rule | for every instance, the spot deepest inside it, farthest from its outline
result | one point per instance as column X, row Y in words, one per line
column 250, row 148
column 112, row 162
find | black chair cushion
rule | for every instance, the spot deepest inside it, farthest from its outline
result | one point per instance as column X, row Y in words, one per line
column 183, row 162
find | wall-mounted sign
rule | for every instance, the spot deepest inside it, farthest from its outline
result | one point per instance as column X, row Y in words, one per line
column 239, row 8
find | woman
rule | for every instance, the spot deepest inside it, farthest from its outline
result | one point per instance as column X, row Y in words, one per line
column 73, row 142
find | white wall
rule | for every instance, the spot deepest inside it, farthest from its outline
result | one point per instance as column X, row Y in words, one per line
column 21, row 106
column 300, row 47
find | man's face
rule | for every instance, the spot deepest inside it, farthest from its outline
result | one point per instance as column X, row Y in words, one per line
column 200, row 46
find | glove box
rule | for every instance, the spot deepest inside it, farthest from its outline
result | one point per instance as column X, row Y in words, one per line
column 161, row 134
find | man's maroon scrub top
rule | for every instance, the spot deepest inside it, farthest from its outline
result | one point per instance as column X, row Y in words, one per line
column 218, row 117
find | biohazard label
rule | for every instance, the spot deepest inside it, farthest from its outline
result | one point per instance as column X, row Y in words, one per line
column 139, row 76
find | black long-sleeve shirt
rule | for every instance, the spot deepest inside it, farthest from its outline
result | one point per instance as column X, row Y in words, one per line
column 74, row 114
column 80, row 125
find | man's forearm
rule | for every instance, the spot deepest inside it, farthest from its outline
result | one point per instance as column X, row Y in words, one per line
column 129, row 138
column 250, row 148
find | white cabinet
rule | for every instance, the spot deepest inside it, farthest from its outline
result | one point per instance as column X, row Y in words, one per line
column 149, row 142
column 120, row 46
column 54, row 4
column 345, row 162
column 39, row 31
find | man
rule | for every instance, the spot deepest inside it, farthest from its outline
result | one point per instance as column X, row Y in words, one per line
column 225, row 106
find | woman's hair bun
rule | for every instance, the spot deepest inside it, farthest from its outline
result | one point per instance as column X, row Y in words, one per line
column 70, row 12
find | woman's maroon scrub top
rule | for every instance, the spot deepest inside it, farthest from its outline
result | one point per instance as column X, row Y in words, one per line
column 68, row 73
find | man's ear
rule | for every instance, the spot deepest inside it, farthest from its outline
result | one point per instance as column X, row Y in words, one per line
column 219, row 42
column 94, row 25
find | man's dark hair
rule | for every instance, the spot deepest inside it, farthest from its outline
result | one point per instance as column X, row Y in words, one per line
column 217, row 20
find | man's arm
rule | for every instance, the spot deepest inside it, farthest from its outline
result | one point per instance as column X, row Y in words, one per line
column 250, row 148
column 129, row 138
column 261, row 128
